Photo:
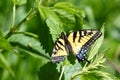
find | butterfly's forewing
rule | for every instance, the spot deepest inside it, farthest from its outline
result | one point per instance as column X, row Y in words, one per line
column 60, row 50
column 80, row 42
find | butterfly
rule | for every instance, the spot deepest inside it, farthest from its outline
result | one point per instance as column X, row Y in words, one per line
column 76, row 42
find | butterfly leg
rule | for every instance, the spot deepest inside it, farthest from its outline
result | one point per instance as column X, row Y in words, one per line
column 87, row 61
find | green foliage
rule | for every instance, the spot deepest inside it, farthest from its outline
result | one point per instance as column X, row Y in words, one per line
column 95, row 75
column 95, row 48
column 4, row 45
column 73, row 72
column 28, row 30
column 19, row 2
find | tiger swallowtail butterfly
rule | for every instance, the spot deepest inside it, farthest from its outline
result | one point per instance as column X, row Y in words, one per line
column 78, row 42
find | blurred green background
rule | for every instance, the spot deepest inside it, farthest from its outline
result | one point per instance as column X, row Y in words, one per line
column 25, row 53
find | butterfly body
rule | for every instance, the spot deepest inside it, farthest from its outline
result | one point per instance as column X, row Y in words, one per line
column 78, row 42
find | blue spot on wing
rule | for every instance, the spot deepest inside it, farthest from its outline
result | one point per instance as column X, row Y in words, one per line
column 81, row 56
column 82, row 51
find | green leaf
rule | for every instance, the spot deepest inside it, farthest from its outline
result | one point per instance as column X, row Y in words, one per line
column 69, row 70
column 48, row 71
column 96, row 46
column 44, row 32
column 4, row 44
column 19, row 2
column 70, row 15
column 61, row 17
column 52, row 20
column 54, row 26
column 30, row 55
column 70, row 8
column 58, row 19
column 95, row 75
column 95, row 64
column 5, row 65
column 29, row 44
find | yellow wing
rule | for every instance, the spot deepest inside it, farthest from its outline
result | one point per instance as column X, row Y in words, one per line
column 80, row 42
column 60, row 50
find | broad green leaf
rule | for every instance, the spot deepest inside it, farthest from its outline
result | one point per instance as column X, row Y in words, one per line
column 96, row 46
column 70, row 15
column 69, row 70
column 70, row 8
column 63, row 17
column 52, row 20
column 44, row 32
column 55, row 27
column 48, row 71
column 28, row 43
column 58, row 19
column 30, row 56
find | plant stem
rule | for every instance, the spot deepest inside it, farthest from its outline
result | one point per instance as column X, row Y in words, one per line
column 76, row 74
column 30, row 14
column 13, row 17
column 61, row 73
column 27, row 33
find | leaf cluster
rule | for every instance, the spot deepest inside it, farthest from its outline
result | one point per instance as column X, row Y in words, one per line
column 27, row 40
